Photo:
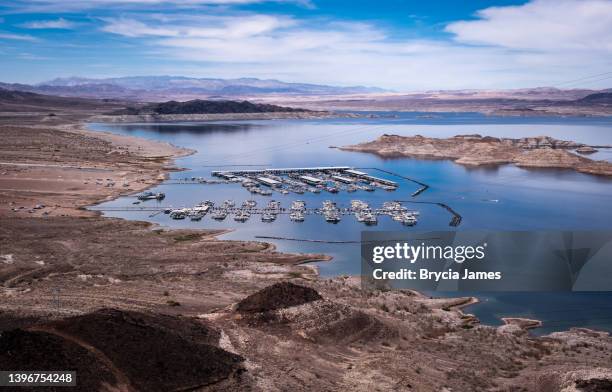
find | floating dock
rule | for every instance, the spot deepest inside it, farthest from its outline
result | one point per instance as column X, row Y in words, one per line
column 308, row 179
column 281, row 171
column 366, row 176
column 312, row 180
column 345, row 180
column 269, row 182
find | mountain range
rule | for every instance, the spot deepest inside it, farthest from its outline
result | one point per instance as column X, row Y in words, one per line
column 160, row 88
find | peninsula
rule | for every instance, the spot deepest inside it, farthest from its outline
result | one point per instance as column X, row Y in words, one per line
column 477, row 150
column 208, row 110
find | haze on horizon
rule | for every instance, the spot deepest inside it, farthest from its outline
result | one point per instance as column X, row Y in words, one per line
column 396, row 45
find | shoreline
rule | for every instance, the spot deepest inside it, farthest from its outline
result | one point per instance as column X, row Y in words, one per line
column 170, row 118
column 463, row 302
column 169, row 166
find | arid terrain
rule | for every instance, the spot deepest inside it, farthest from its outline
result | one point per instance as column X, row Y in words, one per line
column 134, row 307
column 519, row 102
column 476, row 150
column 538, row 101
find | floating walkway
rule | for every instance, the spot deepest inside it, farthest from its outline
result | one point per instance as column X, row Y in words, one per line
column 423, row 188
column 456, row 219
column 299, row 180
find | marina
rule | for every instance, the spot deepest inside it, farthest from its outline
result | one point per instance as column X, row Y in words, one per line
column 525, row 199
column 331, row 179
column 297, row 212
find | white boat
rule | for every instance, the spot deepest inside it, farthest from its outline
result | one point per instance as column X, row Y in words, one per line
column 151, row 196
column 249, row 204
column 328, row 204
column 370, row 219
column 359, row 205
column 196, row 216
column 332, row 216
column 298, row 205
column 268, row 217
column 274, row 205
column 242, row 216
column 296, row 216
column 219, row 215
column 179, row 213
column 405, row 219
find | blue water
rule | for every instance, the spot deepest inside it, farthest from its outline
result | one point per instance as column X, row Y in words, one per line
column 503, row 198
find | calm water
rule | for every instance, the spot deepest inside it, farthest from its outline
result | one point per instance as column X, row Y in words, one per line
column 504, row 198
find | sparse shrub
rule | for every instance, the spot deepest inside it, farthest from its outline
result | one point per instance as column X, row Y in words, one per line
column 188, row 237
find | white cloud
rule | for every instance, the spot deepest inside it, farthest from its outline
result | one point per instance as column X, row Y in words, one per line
column 236, row 27
column 60, row 23
column 545, row 25
column 30, row 56
column 543, row 42
column 31, row 6
column 359, row 53
column 17, row 37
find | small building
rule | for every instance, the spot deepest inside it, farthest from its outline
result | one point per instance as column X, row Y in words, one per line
column 269, row 182
column 367, row 177
column 345, row 180
column 312, row 180
column 381, row 181
column 355, row 173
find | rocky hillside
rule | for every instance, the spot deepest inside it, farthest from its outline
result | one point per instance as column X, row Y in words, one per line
column 598, row 98
column 198, row 106
column 476, row 150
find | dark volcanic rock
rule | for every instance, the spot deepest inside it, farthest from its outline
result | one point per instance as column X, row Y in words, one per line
column 198, row 106
column 594, row 385
column 278, row 296
column 34, row 350
column 148, row 352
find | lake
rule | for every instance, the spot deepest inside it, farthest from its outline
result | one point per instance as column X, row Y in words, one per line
column 500, row 198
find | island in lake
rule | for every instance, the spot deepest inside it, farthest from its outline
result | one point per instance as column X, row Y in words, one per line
column 478, row 150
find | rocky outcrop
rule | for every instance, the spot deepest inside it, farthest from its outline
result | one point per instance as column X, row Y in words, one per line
column 125, row 350
column 586, row 150
column 477, row 150
column 212, row 116
column 278, row 296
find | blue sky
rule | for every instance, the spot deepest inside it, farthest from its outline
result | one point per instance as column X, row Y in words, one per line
column 401, row 45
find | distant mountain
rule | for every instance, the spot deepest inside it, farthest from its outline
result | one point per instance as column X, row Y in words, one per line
column 163, row 88
column 597, row 98
column 23, row 101
column 535, row 93
column 199, row 106
column 95, row 91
